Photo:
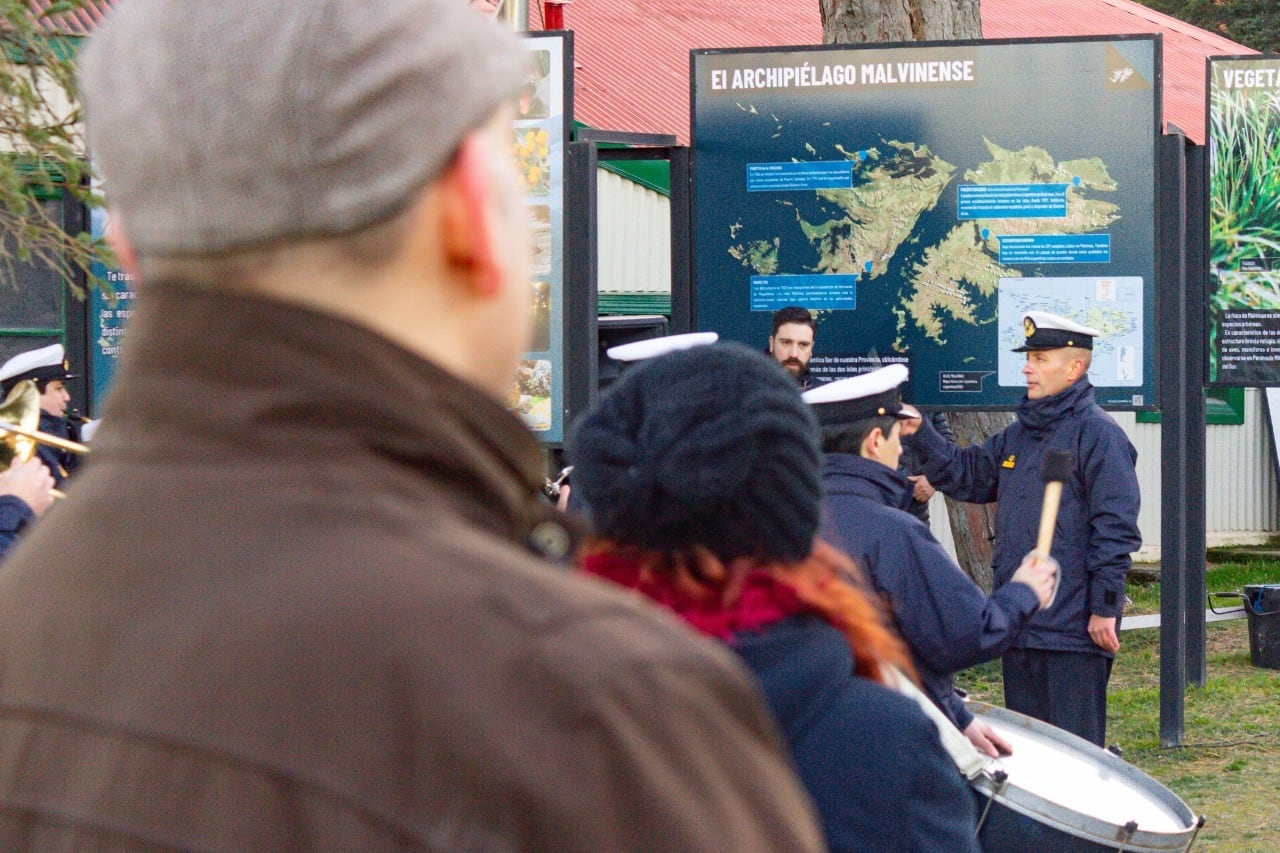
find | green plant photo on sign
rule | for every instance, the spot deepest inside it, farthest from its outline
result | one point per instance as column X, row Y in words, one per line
column 1244, row 221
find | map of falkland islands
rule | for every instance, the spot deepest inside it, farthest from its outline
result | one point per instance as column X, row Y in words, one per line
column 945, row 276
column 876, row 215
column 944, row 280
column 881, row 212
column 966, row 258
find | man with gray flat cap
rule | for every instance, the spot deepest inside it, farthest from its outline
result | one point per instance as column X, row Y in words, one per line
column 301, row 597
column 1058, row 669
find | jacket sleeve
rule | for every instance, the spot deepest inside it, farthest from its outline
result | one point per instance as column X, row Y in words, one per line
column 961, row 473
column 14, row 515
column 943, row 426
column 955, row 709
column 944, row 617
column 1111, row 488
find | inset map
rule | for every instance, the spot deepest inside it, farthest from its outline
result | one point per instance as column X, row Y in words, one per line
column 1113, row 306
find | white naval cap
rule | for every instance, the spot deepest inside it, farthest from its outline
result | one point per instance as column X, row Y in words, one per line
column 1049, row 331
column 869, row 395
column 654, row 347
column 44, row 363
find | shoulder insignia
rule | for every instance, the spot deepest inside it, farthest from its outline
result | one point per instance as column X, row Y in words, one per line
column 1008, row 461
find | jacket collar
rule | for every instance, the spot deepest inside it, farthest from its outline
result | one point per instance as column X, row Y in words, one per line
column 209, row 374
column 1045, row 414
column 847, row 474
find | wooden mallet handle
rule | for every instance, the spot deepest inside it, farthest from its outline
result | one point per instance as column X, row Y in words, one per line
column 1057, row 470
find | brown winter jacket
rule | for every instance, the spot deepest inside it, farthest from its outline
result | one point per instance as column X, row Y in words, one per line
column 291, row 603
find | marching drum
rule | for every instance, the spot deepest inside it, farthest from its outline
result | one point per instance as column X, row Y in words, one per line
column 1058, row 792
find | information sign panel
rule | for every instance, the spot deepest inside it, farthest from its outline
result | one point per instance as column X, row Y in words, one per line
column 1244, row 220
column 920, row 198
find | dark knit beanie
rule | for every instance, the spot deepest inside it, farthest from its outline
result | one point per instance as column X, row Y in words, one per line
column 710, row 446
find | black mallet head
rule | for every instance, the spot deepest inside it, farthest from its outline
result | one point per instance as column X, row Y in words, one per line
column 1058, row 465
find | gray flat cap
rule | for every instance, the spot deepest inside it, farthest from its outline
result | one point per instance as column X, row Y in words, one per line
column 237, row 123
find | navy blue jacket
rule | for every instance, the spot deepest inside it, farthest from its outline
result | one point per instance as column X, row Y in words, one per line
column 941, row 614
column 870, row 758
column 1097, row 527
column 14, row 515
column 909, row 464
column 59, row 462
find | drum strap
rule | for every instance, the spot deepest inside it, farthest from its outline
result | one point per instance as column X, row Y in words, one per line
column 964, row 754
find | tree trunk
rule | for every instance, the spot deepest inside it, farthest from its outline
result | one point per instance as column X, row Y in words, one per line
column 973, row 525
column 878, row 21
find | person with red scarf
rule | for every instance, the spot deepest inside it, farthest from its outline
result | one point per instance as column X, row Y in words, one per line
column 702, row 472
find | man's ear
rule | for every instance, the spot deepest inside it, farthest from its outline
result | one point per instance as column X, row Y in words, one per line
column 470, row 232
column 871, row 443
column 1076, row 369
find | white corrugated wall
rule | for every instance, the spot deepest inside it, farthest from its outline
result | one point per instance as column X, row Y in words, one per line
column 1242, row 475
column 634, row 236
column 1241, row 503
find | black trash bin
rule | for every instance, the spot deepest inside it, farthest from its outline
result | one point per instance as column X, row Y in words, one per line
column 1262, row 610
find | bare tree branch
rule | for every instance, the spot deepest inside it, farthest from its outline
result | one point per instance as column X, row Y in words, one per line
column 42, row 152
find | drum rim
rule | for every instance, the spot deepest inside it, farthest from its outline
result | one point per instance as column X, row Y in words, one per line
column 1077, row 823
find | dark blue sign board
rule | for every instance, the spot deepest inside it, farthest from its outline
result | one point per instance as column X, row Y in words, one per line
column 920, row 198
column 109, row 312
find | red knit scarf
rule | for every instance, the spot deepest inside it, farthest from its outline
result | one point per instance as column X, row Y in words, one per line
column 761, row 598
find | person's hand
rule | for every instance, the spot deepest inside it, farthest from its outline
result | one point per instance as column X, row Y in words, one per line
column 1040, row 573
column 981, row 735
column 562, row 501
column 921, row 488
column 908, row 426
column 30, row 482
column 1102, row 630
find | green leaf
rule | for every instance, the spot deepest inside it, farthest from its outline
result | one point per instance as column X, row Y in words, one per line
column 60, row 7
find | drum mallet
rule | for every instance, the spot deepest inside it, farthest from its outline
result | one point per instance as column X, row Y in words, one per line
column 1057, row 470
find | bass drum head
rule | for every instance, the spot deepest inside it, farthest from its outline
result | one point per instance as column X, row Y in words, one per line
column 1063, row 793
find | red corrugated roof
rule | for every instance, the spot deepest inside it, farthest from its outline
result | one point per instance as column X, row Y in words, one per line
column 79, row 22
column 632, row 56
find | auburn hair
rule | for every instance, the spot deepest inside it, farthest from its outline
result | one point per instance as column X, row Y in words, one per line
column 827, row 583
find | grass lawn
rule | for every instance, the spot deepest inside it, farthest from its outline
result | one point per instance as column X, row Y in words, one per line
column 1228, row 767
